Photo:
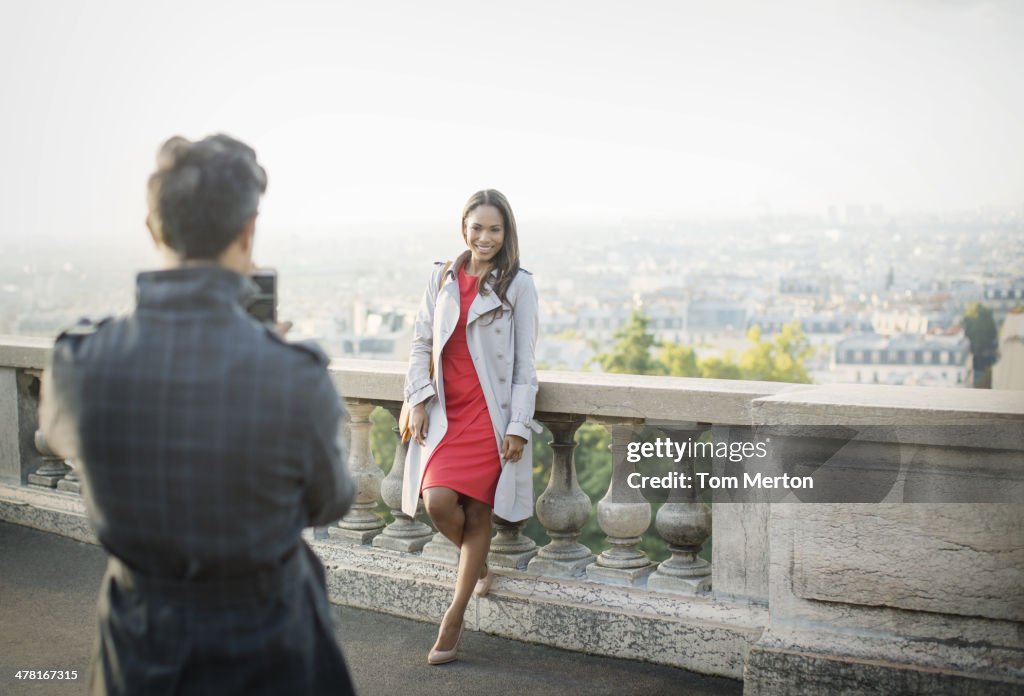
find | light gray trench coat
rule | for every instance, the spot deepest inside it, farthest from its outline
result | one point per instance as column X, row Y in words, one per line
column 503, row 352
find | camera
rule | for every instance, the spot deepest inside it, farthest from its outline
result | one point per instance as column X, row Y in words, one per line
column 264, row 305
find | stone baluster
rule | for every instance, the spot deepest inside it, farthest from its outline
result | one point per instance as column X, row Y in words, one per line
column 563, row 508
column 70, row 482
column 441, row 548
column 510, row 548
column 684, row 521
column 362, row 523
column 405, row 533
column 624, row 515
column 53, row 468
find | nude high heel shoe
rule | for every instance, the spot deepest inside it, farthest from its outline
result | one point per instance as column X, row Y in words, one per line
column 483, row 585
column 440, row 657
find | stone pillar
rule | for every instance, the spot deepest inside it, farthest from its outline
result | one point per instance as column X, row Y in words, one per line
column 510, row 548
column 624, row 515
column 740, row 558
column 684, row 521
column 362, row 523
column 10, row 450
column 440, row 548
column 404, row 534
column 70, row 482
column 23, row 457
column 563, row 507
column 53, row 467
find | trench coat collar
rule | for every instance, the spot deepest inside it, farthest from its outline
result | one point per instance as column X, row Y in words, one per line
column 482, row 303
column 193, row 288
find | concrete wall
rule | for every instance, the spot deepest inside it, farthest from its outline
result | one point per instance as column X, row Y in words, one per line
column 896, row 596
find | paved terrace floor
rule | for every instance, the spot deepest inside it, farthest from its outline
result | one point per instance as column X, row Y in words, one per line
column 48, row 587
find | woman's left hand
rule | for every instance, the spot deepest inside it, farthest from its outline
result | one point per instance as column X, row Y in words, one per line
column 512, row 448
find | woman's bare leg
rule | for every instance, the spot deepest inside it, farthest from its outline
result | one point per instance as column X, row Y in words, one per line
column 445, row 512
column 476, row 542
column 445, row 509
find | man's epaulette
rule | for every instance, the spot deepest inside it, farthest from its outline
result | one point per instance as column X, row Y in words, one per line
column 310, row 348
column 83, row 328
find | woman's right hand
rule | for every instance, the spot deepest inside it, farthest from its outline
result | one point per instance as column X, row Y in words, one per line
column 418, row 423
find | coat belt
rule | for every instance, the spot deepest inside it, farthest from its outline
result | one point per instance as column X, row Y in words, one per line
column 250, row 588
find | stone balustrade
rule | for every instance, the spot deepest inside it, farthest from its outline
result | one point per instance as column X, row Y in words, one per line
column 903, row 575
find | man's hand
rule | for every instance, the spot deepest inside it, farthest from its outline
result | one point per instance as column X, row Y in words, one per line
column 512, row 448
column 283, row 327
column 418, row 423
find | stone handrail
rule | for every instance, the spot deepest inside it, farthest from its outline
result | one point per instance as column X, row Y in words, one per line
column 857, row 597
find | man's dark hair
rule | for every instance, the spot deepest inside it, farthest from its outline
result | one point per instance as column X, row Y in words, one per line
column 202, row 193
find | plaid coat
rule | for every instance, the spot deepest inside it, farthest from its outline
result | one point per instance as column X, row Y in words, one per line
column 205, row 444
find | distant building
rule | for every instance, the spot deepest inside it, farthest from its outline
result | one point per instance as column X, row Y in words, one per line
column 564, row 353
column 1003, row 296
column 909, row 359
column 822, row 331
column 555, row 319
column 892, row 323
column 601, row 322
column 816, row 327
column 1008, row 373
column 653, row 282
column 965, row 291
column 800, row 285
column 383, row 333
column 715, row 314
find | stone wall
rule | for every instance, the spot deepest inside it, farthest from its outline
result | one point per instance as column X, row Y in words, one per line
column 915, row 589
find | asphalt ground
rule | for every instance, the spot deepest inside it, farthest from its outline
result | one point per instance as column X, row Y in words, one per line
column 48, row 587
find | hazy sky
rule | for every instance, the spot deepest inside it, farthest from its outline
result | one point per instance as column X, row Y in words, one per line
column 577, row 110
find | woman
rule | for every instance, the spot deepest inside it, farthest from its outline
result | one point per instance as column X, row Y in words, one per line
column 471, row 419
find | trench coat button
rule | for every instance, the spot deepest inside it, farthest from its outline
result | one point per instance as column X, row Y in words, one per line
column 500, row 355
column 501, row 379
column 498, row 331
column 504, row 404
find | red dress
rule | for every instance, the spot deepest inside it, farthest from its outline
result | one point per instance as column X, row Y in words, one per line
column 467, row 458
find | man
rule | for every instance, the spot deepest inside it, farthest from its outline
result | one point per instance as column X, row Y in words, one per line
column 206, row 444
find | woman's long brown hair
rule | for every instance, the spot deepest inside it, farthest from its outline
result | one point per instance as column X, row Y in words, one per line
column 506, row 261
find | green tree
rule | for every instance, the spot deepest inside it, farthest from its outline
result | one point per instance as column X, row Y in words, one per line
column 720, row 368
column 679, row 361
column 780, row 359
column 980, row 327
column 382, row 438
column 631, row 353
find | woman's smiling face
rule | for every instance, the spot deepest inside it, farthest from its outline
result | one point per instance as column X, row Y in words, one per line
column 484, row 232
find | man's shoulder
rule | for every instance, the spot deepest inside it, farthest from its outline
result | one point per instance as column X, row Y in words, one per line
column 80, row 332
column 306, row 352
column 83, row 328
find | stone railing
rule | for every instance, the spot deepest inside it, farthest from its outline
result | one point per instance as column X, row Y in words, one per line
column 865, row 593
